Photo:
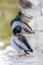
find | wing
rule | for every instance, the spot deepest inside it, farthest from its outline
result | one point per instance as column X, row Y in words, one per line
column 27, row 31
column 27, row 25
column 20, row 46
column 22, row 38
column 24, row 41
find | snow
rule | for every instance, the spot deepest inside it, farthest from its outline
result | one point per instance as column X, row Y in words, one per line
column 9, row 58
column 1, row 43
column 34, row 2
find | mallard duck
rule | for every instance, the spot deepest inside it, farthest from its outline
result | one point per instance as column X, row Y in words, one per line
column 17, row 21
column 25, row 4
column 19, row 42
column 25, row 27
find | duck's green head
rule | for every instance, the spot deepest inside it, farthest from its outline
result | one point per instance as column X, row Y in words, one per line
column 17, row 29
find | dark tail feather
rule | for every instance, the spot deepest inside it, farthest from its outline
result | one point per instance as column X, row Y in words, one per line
column 28, row 51
column 28, row 46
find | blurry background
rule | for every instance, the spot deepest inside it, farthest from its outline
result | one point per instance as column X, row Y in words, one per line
column 8, row 10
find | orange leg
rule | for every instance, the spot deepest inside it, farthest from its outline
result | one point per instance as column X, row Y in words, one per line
column 19, row 54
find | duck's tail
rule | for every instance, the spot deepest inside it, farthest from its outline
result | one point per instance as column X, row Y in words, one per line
column 28, row 51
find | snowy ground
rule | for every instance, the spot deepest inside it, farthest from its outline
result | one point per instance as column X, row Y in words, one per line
column 8, row 57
